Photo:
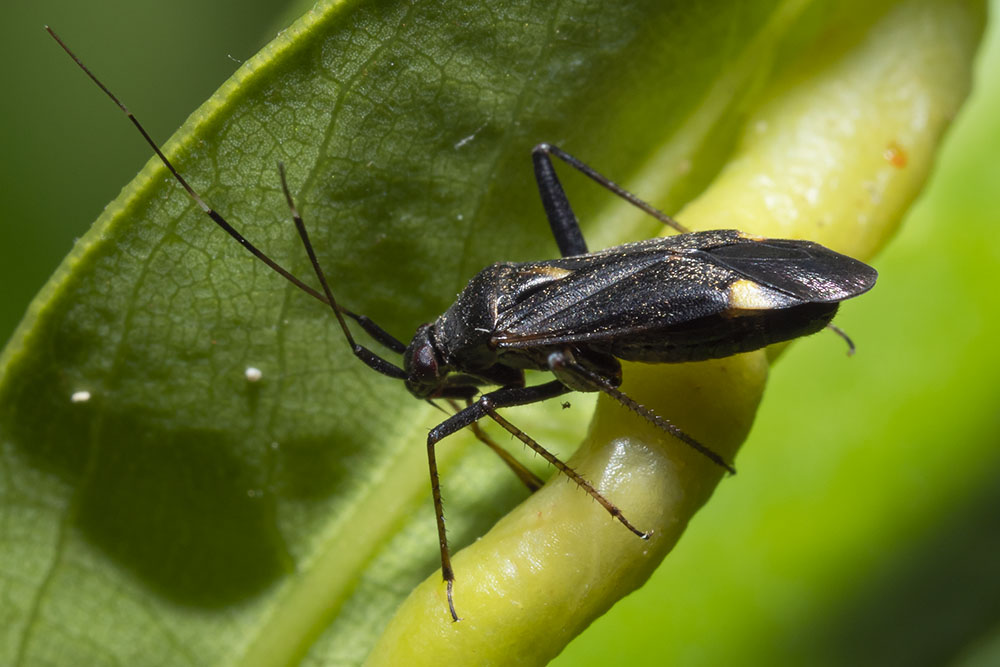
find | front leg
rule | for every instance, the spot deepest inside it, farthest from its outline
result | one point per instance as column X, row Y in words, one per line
column 506, row 396
column 486, row 406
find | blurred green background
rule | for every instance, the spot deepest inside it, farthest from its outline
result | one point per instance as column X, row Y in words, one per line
column 66, row 152
column 864, row 526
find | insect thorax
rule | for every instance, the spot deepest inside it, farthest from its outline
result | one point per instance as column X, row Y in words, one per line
column 464, row 333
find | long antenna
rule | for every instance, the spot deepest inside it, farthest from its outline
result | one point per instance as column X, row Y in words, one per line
column 218, row 219
column 382, row 336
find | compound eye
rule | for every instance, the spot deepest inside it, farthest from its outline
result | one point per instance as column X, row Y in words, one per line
column 423, row 371
column 425, row 365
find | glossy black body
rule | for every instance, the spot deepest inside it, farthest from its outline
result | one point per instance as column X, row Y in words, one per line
column 661, row 300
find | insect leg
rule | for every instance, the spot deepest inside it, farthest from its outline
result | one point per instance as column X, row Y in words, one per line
column 528, row 478
column 562, row 220
column 486, row 406
column 555, row 201
column 508, row 396
column 564, row 362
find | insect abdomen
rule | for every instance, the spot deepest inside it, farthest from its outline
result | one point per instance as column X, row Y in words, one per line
column 720, row 335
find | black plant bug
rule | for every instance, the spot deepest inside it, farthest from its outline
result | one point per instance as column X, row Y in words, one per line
column 688, row 297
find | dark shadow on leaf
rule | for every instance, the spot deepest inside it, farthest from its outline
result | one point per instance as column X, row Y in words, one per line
column 316, row 468
column 183, row 513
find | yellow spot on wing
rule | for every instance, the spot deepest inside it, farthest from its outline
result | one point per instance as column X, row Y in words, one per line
column 748, row 295
column 553, row 272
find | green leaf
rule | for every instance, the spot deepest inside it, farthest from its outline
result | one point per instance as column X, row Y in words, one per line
column 186, row 513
